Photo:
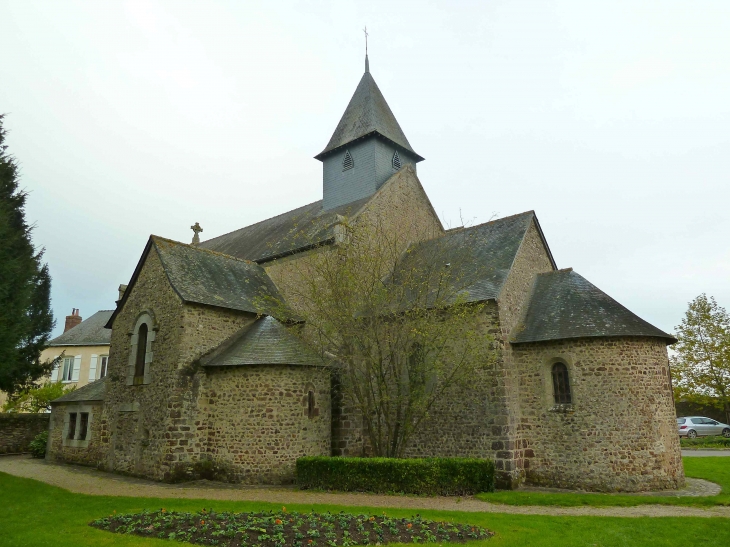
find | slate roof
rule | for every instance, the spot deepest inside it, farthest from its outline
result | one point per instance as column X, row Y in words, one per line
column 265, row 342
column 367, row 114
column 94, row 391
column 565, row 305
column 281, row 235
column 479, row 258
column 201, row 276
column 90, row 332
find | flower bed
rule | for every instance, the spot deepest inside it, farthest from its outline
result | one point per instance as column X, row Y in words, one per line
column 279, row 529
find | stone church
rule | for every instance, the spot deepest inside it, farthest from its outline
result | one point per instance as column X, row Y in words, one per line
column 580, row 398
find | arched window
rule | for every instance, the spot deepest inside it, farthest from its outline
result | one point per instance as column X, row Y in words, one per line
column 347, row 161
column 561, row 384
column 141, row 354
column 310, row 404
column 396, row 161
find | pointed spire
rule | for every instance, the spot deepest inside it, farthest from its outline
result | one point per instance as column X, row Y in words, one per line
column 367, row 113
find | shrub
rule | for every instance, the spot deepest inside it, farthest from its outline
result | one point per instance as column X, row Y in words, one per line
column 705, row 442
column 38, row 445
column 430, row 476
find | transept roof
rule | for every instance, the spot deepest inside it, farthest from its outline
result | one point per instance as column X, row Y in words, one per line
column 202, row 276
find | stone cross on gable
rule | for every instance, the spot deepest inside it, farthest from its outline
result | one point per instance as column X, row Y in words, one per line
column 196, row 229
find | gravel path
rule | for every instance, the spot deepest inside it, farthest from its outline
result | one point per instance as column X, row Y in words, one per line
column 719, row 452
column 82, row 480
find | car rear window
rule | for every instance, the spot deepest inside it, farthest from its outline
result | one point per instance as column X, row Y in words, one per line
column 681, row 420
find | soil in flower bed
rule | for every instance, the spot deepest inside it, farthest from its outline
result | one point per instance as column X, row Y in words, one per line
column 282, row 528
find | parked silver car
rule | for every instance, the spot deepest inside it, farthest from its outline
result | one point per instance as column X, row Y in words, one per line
column 699, row 426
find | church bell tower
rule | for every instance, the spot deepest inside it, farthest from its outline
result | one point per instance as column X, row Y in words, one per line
column 366, row 149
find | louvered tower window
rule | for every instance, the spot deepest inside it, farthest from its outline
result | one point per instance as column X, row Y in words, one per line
column 347, row 162
column 396, row 161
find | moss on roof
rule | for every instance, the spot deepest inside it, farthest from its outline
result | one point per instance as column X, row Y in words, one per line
column 202, row 276
column 284, row 234
column 565, row 305
column 475, row 261
column 265, row 342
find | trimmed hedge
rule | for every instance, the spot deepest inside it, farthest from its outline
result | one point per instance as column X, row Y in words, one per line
column 705, row 442
column 430, row 476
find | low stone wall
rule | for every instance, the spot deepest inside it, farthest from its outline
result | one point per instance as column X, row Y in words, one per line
column 17, row 430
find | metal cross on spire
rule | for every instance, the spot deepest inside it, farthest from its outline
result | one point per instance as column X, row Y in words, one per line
column 367, row 63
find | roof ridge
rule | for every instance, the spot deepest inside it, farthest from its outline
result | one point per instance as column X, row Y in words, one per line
column 262, row 221
column 496, row 220
column 561, row 270
column 203, row 249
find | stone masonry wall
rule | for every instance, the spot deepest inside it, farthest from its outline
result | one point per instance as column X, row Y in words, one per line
column 90, row 453
column 531, row 259
column 466, row 421
column 258, row 422
column 153, row 426
column 403, row 211
column 204, row 329
column 138, row 414
column 620, row 432
column 17, row 430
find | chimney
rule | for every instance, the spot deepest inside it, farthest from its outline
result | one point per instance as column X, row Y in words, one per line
column 72, row 320
column 122, row 289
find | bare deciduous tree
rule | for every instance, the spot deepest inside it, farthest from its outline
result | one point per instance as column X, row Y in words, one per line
column 397, row 319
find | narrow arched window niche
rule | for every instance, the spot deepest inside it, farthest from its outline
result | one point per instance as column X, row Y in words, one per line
column 561, row 384
column 311, row 405
column 139, row 360
column 140, row 351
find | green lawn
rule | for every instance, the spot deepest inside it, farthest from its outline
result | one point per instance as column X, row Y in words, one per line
column 35, row 514
column 715, row 469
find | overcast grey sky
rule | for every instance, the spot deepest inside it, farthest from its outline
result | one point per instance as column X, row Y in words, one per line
column 610, row 119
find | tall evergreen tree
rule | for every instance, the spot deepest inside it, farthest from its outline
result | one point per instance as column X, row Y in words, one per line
column 26, row 320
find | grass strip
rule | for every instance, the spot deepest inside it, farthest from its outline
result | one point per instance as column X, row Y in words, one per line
column 714, row 469
column 38, row 515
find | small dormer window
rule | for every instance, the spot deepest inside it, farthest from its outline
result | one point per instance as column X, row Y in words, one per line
column 347, row 162
column 396, row 161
